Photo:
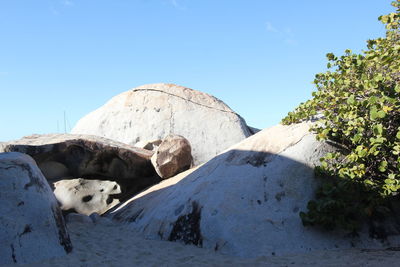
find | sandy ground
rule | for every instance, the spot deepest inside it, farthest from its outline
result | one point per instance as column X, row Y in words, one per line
column 106, row 243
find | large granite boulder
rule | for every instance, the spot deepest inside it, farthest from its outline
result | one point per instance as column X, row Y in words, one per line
column 153, row 111
column 244, row 202
column 86, row 196
column 31, row 224
column 62, row 156
column 172, row 156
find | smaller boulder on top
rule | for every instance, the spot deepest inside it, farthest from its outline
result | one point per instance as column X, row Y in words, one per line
column 174, row 155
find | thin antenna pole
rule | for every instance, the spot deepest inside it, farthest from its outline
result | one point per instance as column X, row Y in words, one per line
column 69, row 126
column 65, row 123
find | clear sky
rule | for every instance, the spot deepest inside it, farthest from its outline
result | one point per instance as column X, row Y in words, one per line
column 258, row 56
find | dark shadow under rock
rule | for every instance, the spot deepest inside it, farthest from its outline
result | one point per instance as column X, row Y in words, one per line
column 69, row 156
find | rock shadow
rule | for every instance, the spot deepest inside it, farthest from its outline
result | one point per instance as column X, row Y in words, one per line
column 257, row 192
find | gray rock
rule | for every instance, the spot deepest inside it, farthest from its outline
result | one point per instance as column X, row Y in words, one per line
column 77, row 218
column 54, row 170
column 153, row 111
column 86, row 196
column 31, row 224
column 254, row 130
column 95, row 217
column 98, row 219
column 244, row 202
column 88, row 157
column 172, row 156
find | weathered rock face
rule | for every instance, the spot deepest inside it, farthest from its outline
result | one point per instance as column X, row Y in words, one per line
column 149, row 145
column 172, row 156
column 89, row 157
column 244, row 202
column 31, row 224
column 153, row 111
column 87, row 196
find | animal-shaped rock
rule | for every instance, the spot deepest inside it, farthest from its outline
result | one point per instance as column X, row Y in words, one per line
column 32, row 227
column 86, row 196
column 172, row 156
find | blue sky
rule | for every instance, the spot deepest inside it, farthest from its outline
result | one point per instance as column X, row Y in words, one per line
column 258, row 56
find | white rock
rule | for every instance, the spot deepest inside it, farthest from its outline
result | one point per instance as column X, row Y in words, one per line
column 86, row 196
column 244, row 202
column 31, row 224
column 153, row 111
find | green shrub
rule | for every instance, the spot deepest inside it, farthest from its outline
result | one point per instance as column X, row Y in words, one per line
column 357, row 106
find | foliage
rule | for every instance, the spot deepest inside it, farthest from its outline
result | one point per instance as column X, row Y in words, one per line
column 357, row 106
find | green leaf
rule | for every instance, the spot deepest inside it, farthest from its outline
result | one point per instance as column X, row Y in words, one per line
column 396, row 150
column 381, row 114
column 368, row 182
column 373, row 113
column 378, row 77
column 361, row 151
column 372, row 100
column 378, row 140
column 384, row 19
column 383, row 166
column 330, row 56
column 329, row 155
column 357, row 138
column 389, row 181
column 351, row 100
column 378, row 129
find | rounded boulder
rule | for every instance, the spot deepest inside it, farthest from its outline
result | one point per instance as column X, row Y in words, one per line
column 154, row 111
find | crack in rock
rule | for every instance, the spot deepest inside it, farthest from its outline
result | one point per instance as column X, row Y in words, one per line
column 63, row 235
column 199, row 104
column 13, row 254
column 34, row 180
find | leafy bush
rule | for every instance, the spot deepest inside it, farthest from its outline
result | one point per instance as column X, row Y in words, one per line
column 357, row 106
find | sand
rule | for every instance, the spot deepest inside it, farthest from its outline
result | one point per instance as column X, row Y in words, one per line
column 107, row 243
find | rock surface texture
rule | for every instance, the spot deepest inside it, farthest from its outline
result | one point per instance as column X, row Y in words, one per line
column 89, row 157
column 153, row 111
column 31, row 224
column 86, row 196
column 244, row 202
column 172, row 156
column 149, row 145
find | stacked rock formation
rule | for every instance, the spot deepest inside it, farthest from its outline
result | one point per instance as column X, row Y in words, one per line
column 154, row 111
column 108, row 171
